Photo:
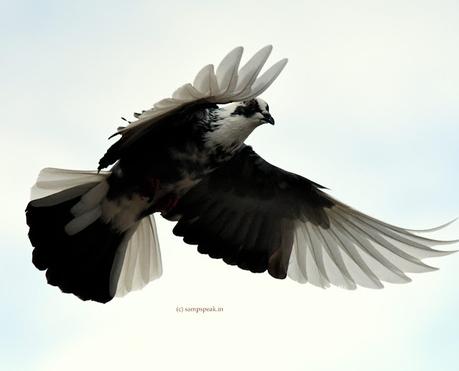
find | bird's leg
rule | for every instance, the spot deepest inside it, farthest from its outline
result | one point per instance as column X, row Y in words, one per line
column 151, row 188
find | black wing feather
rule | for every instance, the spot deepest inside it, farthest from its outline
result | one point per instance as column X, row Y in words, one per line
column 176, row 126
column 245, row 213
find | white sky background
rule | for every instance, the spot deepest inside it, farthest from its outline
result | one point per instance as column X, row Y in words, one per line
column 367, row 106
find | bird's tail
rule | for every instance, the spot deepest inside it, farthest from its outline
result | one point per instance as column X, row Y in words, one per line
column 80, row 252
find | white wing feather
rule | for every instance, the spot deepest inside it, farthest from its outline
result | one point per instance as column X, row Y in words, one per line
column 206, row 81
column 265, row 80
column 227, row 84
column 249, row 72
column 358, row 250
column 227, row 71
column 52, row 181
column 139, row 260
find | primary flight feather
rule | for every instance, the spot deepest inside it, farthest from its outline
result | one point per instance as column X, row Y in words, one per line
column 94, row 233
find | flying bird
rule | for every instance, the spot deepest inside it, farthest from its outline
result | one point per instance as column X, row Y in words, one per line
column 94, row 232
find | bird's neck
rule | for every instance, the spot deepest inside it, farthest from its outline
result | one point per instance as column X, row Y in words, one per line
column 229, row 133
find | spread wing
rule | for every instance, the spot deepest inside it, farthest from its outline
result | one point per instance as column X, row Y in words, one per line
column 228, row 83
column 259, row 217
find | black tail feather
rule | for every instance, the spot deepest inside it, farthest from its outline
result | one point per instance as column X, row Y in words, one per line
column 80, row 264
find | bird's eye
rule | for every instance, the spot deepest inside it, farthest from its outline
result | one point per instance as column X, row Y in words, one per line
column 240, row 110
column 267, row 107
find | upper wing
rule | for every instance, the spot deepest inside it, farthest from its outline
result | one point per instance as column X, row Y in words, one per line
column 259, row 217
column 227, row 84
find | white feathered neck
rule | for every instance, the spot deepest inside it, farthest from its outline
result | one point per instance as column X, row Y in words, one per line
column 229, row 130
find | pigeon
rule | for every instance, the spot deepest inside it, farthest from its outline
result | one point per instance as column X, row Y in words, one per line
column 94, row 233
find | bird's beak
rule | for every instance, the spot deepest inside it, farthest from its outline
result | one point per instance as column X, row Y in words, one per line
column 268, row 118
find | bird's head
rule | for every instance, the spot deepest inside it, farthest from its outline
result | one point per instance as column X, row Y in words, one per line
column 234, row 122
column 256, row 110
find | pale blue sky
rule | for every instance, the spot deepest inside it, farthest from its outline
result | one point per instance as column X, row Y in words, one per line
column 367, row 106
